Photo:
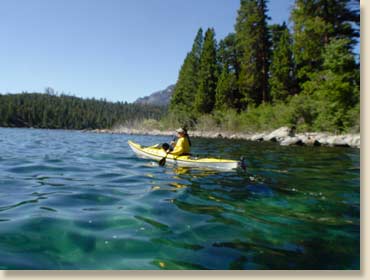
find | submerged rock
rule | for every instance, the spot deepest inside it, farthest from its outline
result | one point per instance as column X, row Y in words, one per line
column 260, row 190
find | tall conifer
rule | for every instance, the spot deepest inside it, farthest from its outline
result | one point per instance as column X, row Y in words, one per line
column 282, row 80
column 188, row 80
column 227, row 91
column 315, row 24
column 252, row 37
column 336, row 88
column 228, row 54
column 208, row 73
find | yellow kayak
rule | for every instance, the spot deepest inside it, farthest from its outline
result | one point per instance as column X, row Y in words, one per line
column 157, row 153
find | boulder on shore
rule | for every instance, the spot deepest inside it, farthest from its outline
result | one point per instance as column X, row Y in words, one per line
column 337, row 141
column 258, row 137
column 309, row 140
column 355, row 141
column 288, row 141
column 284, row 135
column 279, row 134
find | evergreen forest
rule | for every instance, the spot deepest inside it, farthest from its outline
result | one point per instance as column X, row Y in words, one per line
column 264, row 76
column 51, row 110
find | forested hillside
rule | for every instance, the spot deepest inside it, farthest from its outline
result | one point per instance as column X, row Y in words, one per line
column 62, row 111
column 263, row 76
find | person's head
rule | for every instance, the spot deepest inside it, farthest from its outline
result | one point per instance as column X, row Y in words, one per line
column 180, row 132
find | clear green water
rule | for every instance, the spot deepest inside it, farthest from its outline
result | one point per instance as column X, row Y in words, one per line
column 72, row 200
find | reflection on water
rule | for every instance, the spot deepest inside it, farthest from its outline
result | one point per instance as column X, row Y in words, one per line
column 70, row 200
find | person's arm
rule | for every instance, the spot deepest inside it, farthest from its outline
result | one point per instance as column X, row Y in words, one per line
column 173, row 142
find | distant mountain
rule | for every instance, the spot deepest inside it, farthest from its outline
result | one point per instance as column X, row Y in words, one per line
column 159, row 98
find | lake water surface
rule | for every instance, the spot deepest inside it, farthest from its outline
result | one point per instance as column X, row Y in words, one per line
column 73, row 200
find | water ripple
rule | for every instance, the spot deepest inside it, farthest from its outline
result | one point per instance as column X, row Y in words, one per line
column 73, row 200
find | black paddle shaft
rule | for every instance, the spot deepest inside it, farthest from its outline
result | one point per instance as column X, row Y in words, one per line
column 162, row 162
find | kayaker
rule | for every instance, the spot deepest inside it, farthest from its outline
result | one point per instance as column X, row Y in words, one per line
column 182, row 146
column 175, row 138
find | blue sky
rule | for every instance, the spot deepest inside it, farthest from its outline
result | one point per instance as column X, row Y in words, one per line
column 114, row 49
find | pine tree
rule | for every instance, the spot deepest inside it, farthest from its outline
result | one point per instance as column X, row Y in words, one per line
column 228, row 54
column 208, row 73
column 282, row 80
column 316, row 22
column 252, row 37
column 187, row 84
column 336, row 88
column 227, row 92
column 276, row 30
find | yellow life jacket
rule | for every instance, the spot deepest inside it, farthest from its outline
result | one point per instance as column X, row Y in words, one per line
column 182, row 147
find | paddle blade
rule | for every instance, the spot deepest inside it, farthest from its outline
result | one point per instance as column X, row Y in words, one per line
column 162, row 162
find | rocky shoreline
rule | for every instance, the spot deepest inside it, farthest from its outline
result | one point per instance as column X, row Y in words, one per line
column 285, row 136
